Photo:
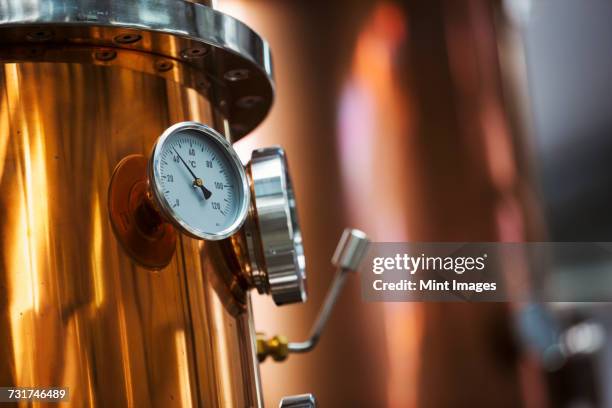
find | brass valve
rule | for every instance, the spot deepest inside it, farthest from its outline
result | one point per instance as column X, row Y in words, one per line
column 276, row 347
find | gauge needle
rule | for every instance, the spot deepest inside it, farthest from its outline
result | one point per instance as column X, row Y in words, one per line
column 197, row 182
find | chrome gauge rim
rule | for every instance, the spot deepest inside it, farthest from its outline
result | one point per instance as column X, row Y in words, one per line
column 278, row 230
column 234, row 160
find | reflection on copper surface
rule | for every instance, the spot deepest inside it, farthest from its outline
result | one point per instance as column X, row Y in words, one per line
column 182, row 367
column 4, row 136
column 29, row 239
column 375, row 121
column 125, row 356
column 312, row 47
column 474, row 61
column 97, row 251
column 221, row 344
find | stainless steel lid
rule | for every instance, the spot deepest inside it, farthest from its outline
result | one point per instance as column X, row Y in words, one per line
column 181, row 40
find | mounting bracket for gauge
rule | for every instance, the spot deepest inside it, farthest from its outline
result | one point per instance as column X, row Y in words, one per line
column 138, row 226
column 273, row 234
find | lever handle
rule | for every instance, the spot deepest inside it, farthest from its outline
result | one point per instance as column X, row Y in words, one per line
column 351, row 249
column 349, row 253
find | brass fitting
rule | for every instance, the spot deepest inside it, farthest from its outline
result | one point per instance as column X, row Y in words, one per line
column 276, row 347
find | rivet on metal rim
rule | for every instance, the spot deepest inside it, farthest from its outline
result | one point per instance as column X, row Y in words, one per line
column 236, row 74
column 128, row 38
column 247, row 102
column 163, row 65
column 105, row 55
column 194, row 52
column 39, row 35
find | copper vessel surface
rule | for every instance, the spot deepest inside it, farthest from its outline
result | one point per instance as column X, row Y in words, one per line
column 75, row 310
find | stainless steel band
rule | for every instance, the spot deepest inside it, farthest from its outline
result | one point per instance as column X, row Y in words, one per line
column 229, row 60
column 280, row 238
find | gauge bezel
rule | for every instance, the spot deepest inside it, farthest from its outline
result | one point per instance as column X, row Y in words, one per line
column 234, row 160
column 275, row 230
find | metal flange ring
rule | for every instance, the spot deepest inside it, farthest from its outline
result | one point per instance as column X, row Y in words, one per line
column 233, row 62
column 278, row 251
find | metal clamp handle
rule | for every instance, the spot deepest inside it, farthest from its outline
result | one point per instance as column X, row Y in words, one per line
column 349, row 253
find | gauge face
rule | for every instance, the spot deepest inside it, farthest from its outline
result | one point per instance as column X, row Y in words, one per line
column 199, row 182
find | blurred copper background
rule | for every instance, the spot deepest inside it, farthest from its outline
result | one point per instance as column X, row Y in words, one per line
column 394, row 120
column 415, row 121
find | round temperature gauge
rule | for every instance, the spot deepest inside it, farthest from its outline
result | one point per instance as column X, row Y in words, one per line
column 198, row 181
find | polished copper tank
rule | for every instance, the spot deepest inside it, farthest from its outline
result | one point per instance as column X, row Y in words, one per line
column 75, row 98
